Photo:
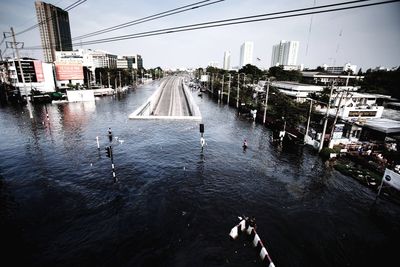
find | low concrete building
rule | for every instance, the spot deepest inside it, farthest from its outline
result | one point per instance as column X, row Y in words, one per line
column 321, row 78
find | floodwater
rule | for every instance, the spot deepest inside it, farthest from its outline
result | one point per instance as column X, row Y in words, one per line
column 173, row 205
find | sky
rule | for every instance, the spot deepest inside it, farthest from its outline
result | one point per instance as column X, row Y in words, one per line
column 367, row 37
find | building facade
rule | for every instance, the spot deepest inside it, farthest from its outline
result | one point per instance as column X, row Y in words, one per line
column 130, row 62
column 227, row 60
column 285, row 53
column 246, row 54
column 339, row 70
column 37, row 75
column 55, row 33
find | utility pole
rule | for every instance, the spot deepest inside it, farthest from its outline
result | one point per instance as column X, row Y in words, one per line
column 135, row 71
column 237, row 95
column 132, row 76
column 321, row 143
column 222, row 87
column 89, row 86
column 22, row 72
column 212, row 83
column 266, row 102
column 108, row 75
column 308, row 122
column 229, row 89
column 336, row 117
column 101, row 82
column 119, row 74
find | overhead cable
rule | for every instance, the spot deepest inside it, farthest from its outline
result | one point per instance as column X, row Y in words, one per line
column 233, row 21
column 149, row 18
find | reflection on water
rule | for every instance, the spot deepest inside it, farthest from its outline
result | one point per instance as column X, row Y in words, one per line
column 174, row 205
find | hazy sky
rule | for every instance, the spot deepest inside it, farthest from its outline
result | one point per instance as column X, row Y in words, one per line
column 367, row 37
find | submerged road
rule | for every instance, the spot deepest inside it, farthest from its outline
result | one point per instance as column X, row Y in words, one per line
column 172, row 101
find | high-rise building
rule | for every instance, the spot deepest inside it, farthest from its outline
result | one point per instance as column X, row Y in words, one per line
column 246, row 54
column 54, row 30
column 227, row 60
column 285, row 53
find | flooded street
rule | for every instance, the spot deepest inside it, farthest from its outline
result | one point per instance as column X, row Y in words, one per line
column 172, row 204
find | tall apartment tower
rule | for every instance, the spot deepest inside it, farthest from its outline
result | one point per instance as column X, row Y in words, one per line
column 246, row 54
column 227, row 60
column 55, row 32
column 285, row 53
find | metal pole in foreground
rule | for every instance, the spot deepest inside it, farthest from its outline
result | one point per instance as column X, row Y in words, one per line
column 266, row 102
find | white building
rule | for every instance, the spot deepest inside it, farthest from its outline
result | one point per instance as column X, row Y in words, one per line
column 246, row 53
column 103, row 59
column 37, row 74
column 285, row 53
column 297, row 91
column 227, row 60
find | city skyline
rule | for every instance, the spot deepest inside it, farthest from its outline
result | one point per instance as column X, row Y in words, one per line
column 367, row 37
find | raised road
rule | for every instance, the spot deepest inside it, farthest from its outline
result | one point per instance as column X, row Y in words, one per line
column 172, row 100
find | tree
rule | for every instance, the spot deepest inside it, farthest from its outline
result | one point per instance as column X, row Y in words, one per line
column 382, row 82
column 283, row 75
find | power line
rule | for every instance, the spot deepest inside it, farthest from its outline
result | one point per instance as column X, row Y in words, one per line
column 68, row 8
column 233, row 21
column 149, row 18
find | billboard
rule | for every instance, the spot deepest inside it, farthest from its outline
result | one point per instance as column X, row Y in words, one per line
column 38, row 70
column 362, row 113
column 69, row 72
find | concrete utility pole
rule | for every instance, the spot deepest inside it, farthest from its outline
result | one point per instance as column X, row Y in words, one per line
column 266, row 102
column 212, row 83
column 308, row 122
column 237, row 95
column 336, row 117
column 119, row 74
column 109, row 85
column 132, row 76
column 222, row 87
column 229, row 89
column 22, row 72
column 89, row 79
column 321, row 143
